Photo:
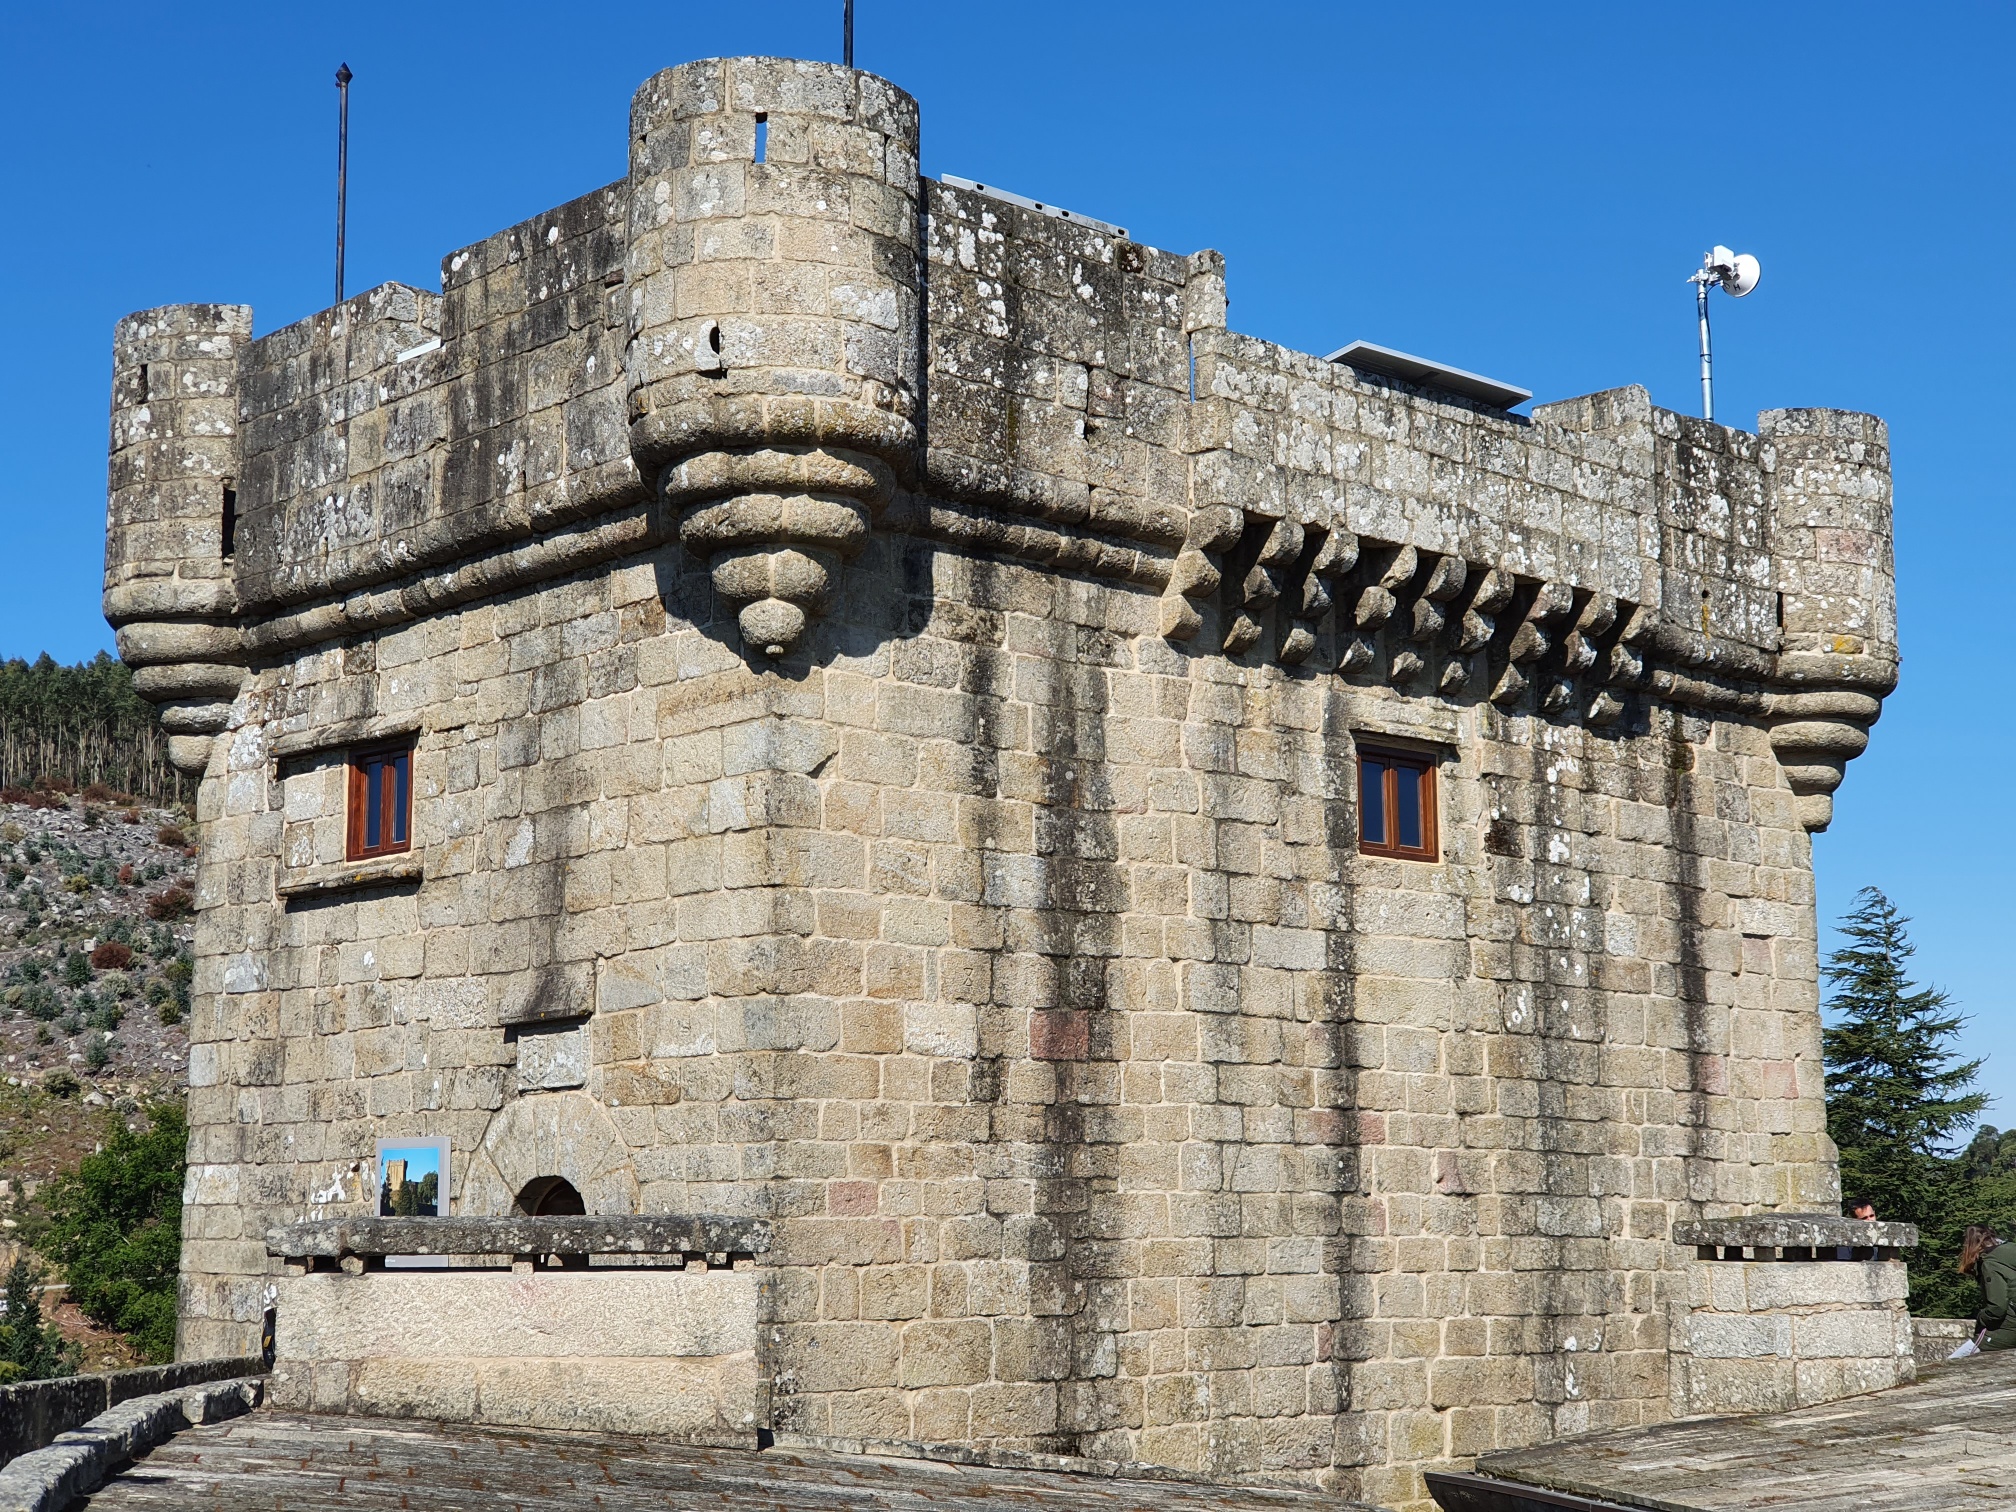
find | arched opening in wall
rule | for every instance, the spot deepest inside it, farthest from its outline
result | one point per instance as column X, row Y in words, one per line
column 550, row 1197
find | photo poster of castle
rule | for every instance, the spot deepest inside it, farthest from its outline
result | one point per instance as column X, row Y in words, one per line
column 412, row 1178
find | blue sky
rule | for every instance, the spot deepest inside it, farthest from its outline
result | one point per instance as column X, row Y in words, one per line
column 1516, row 190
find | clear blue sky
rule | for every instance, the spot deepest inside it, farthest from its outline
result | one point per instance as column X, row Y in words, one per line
column 1519, row 190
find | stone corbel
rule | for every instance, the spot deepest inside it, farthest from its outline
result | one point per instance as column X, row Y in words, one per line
column 1195, row 577
column 775, row 525
column 1815, row 735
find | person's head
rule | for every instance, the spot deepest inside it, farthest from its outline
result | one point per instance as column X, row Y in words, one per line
column 1862, row 1208
column 1976, row 1242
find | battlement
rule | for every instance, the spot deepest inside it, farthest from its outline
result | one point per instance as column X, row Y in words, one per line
column 888, row 677
column 1000, row 379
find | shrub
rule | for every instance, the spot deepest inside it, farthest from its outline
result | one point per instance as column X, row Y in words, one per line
column 41, row 1003
column 126, row 875
column 61, row 1083
column 116, row 1229
column 98, row 1054
column 170, row 1011
column 171, row 835
column 112, row 956
column 79, row 884
column 171, row 902
column 106, row 1016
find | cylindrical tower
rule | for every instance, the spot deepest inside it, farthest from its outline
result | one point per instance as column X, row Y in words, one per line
column 772, row 356
column 1828, row 472
column 169, row 590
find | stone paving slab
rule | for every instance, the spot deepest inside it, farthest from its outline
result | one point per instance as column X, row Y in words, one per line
column 305, row 1463
column 1946, row 1443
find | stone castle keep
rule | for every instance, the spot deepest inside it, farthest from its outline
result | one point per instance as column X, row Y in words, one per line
column 884, row 669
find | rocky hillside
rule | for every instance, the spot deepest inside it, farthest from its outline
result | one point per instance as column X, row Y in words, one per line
column 94, row 990
column 94, row 945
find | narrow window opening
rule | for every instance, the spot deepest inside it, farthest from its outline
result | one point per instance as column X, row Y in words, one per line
column 230, row 522
column 1193, row 369
column 714, row 339
column 381, row 803
column 762, row 137
column 1781, row 611
column 1396, row 805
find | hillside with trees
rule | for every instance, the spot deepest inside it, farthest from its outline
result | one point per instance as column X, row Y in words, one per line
column 82, row 725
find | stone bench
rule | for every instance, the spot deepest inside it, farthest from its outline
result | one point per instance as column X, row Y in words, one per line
column 629, row 1324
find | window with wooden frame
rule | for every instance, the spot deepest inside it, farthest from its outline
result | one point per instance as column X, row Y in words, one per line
column 381, row 802
column 1396, row 804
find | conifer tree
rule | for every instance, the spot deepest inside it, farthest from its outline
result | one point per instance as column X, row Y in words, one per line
column 1898, row 1098
column 30, row 1350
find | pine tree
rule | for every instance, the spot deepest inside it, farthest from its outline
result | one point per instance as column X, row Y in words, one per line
column 1897, row 1096
column 30, row 1350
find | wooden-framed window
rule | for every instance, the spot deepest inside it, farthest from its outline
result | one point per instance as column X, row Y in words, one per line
column 381, row 802
column 1396, row 804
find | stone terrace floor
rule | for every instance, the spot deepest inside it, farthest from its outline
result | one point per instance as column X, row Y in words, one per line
column 293, row 1462
column 1947, row 1443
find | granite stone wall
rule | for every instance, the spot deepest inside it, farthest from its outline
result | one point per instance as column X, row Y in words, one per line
column 885, row 669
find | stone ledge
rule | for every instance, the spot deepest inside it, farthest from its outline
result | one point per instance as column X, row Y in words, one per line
column 330, row 738
column 351, row 876
column 702, row 1235
column 1810, row 1232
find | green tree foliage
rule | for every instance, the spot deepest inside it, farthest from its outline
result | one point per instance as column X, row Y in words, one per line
column 30, row 1350
column 1898, row 1100
column 82, row 723
column 116, row 1229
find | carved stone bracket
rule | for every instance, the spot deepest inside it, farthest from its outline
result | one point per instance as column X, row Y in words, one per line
column 1815, row 735
column 776, row 524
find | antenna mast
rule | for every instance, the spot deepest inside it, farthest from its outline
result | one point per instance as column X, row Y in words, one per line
column 1701, row 284
column 342, row 165
column 1735, row 274
column 847, row 33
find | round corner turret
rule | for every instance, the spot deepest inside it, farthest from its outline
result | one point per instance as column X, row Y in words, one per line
column 1827, row 476
column 171, row 514
column 772, row 352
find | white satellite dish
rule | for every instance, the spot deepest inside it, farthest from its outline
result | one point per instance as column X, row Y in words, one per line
column 1735, row 274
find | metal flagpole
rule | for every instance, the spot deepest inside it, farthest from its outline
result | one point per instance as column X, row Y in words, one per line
column 847, row 33
column 342, row 166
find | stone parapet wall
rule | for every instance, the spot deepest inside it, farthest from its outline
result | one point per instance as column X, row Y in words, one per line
column 668, row 1354
column 1768, row 1336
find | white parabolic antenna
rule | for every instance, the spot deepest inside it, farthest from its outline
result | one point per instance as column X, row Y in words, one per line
column 1739, row 271
column 1735, row 274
